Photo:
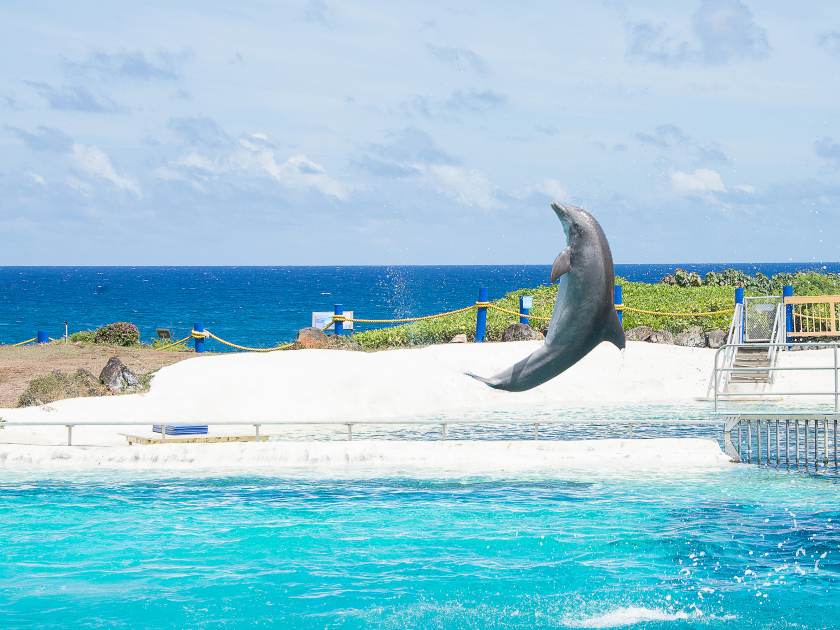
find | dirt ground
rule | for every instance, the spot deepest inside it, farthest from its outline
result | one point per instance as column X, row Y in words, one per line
column 19, row 365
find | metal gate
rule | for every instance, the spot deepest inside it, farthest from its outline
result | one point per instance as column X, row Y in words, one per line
column 759, row 316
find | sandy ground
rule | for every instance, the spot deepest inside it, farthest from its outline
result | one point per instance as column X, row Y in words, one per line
column 20, row 365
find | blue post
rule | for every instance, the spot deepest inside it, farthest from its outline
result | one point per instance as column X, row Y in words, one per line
column 739, row 299
column 739, row 295
column 42, row 336
column 339, row 326
column 526, row 303
column 481, row 316
column 787, row 291
column 618, row 300
column 199, row 341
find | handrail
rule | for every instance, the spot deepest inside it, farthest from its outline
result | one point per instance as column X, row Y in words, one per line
column 771, row 369
column 349, row 424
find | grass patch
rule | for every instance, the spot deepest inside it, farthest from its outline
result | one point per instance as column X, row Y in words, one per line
column 674, row 298
column 59, row 385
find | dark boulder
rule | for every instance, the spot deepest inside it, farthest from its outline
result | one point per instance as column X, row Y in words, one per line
column 117, row 377
column 661, row 336
column 639, row 333
column 692, row 337
column 521, row 332
column 715, row 338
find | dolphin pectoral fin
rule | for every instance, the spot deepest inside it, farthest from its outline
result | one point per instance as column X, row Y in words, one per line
column 561, row 265
column 613, row 332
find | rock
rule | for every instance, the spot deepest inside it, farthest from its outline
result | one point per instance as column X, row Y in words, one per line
column 521, row 332
column 117, row 377
column 462, row 338
column 692, row 337
column 715, row 338
column 315, row 338
column 661, row 336
column 309, row 338
column 639, row 333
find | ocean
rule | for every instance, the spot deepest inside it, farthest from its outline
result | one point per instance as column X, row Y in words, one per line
column 262, row 306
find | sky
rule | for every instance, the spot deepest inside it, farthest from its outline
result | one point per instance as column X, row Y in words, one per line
column 337, row 133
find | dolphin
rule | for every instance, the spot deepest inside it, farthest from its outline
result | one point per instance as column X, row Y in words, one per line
column 584, row 313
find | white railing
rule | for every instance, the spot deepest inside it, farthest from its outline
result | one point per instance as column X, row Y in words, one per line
column 722, row 374
column 777, row 336
column 734, row 338
column 442, row 424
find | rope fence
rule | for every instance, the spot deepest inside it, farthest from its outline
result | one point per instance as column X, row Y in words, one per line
column 336, row 322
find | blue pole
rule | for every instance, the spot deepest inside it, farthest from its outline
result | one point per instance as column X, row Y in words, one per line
column 481, row 316
column 525, row 304
column 739, row 295
column 42, row 336
column 739, row 299
column 787, row 291
column 199, row 341
column 618, row 299
column 339, row 326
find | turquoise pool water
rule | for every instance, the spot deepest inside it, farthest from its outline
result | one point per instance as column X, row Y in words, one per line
column 743, row 548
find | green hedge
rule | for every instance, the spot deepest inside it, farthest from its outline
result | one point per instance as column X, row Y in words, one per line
column 653, row 297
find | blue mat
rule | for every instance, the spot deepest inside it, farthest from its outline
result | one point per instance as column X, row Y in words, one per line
column 182, row 429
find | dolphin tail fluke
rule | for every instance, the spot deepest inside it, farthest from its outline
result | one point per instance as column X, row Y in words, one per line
column 487, row 381
column 613, row 332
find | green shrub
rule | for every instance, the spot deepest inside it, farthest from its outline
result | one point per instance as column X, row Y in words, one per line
column 118, row 334
column 84, row 336
column 59, row 386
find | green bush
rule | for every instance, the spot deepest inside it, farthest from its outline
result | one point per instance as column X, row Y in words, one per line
column 84, row 336
column 118, row 334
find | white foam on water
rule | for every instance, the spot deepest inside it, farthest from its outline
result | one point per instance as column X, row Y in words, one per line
column 629, row 616
column 663, row 456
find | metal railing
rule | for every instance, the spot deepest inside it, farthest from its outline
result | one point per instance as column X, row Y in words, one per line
column 722, row 374
column 734, row 338
column 784, row 440
column 443, row 425
column 777, row 336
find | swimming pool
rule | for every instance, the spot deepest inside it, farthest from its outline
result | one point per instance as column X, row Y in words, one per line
column 742, row 546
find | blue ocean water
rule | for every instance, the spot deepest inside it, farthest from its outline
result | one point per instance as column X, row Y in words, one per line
column 265, row 305
column 746, row 547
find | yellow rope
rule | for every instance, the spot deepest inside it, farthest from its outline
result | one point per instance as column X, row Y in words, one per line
column 629, row 309
column 23, row 343
column 504, row 310
column 207, row 333
column 341, row 318
column 177, row 343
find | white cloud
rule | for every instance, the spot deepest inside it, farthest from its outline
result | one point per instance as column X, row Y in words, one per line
column 38, row 179
column 255, row 155
column 95, row 162
column 297, row 171
column 466, row 186
column 702, row 180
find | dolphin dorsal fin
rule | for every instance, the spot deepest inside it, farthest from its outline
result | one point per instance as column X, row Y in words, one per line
column 561, row 265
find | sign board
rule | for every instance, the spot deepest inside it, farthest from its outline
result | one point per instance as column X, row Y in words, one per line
column 322, row 318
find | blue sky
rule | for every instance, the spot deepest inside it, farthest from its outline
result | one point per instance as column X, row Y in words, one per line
column 417, row 132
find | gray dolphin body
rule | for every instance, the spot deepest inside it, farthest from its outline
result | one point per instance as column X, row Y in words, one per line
column 584, row 313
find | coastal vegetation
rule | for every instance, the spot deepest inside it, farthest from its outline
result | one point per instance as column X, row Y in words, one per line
column 682, row 292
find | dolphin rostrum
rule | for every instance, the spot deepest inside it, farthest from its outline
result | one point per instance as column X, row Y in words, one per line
column 584, row 313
